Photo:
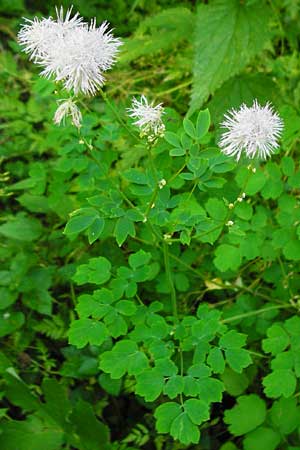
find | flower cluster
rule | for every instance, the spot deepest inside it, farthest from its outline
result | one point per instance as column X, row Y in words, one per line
column 148, row 118
column 70, row 50
column 253, row 130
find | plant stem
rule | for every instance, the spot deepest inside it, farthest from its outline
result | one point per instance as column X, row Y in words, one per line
column 117, row 115
column 254, row 313
column 170, row 281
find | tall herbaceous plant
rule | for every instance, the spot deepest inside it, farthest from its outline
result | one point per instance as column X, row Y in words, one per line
column 159, row 219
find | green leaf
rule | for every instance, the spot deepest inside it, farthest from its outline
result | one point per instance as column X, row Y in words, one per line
column 189, row 128
column 149, row 384
column 197, row 410
column 21, row 228
column 90, row 431
column 97, row 271
column 216, row 360
column 280, row 382
column 95, row 229
column 11, row 323
column 174, row 386
column 78, row 223
column 124, row 228
column 285, row 415
column 227, row 257
column 126, row 307
column 33, row 434
column 165, row 414
column 86, row 331
column 249, row 412
column 262, row 439
column 202, row 124
column 141, row 258
column 184, row 430
column 124, row 357
column 228, row 34
column 237, row 357
column 277, row 340
column 172, row 139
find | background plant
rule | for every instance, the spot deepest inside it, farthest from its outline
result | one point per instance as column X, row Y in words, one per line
column 95, row 352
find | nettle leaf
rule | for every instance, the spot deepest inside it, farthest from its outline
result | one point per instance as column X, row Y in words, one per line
column 218, row 26
column 96, row 271
column 249, row 412
column 124, row 357
column 86, row 331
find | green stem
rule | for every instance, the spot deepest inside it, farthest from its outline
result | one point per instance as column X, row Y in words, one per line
column 117, row 115
column 254, row 313
column 170, row 281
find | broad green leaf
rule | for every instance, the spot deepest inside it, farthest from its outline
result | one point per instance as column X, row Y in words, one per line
column 165, row 415
column 249, row 412
column 126, row 307
column 227, row 257
column 197, row 410
column 277, row 339
column 172, row 138
column 189, row 128
column 216, row 360
column 149, row 384
column 32, row 433
column 86, row 331
column 228, row 35
column 262, row 439
column 22, row 228
column 184, row 430
column 285, row 415
column 91, row 432
column 280, row 382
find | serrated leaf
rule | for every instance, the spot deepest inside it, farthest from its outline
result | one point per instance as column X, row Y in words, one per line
column 228, row 34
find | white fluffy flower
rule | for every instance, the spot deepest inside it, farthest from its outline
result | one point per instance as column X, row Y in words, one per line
column 148, row 117
column 70, row 50
column 253, row 130
column 68, row 108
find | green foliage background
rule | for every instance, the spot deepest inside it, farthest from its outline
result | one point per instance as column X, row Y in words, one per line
column 175, row 332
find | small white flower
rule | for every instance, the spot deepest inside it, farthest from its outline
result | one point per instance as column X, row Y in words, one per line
column 253, row 130
column 148, row 117
column 230, row 223
column 72, row 51
column 162, row 183
column 68, row 108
